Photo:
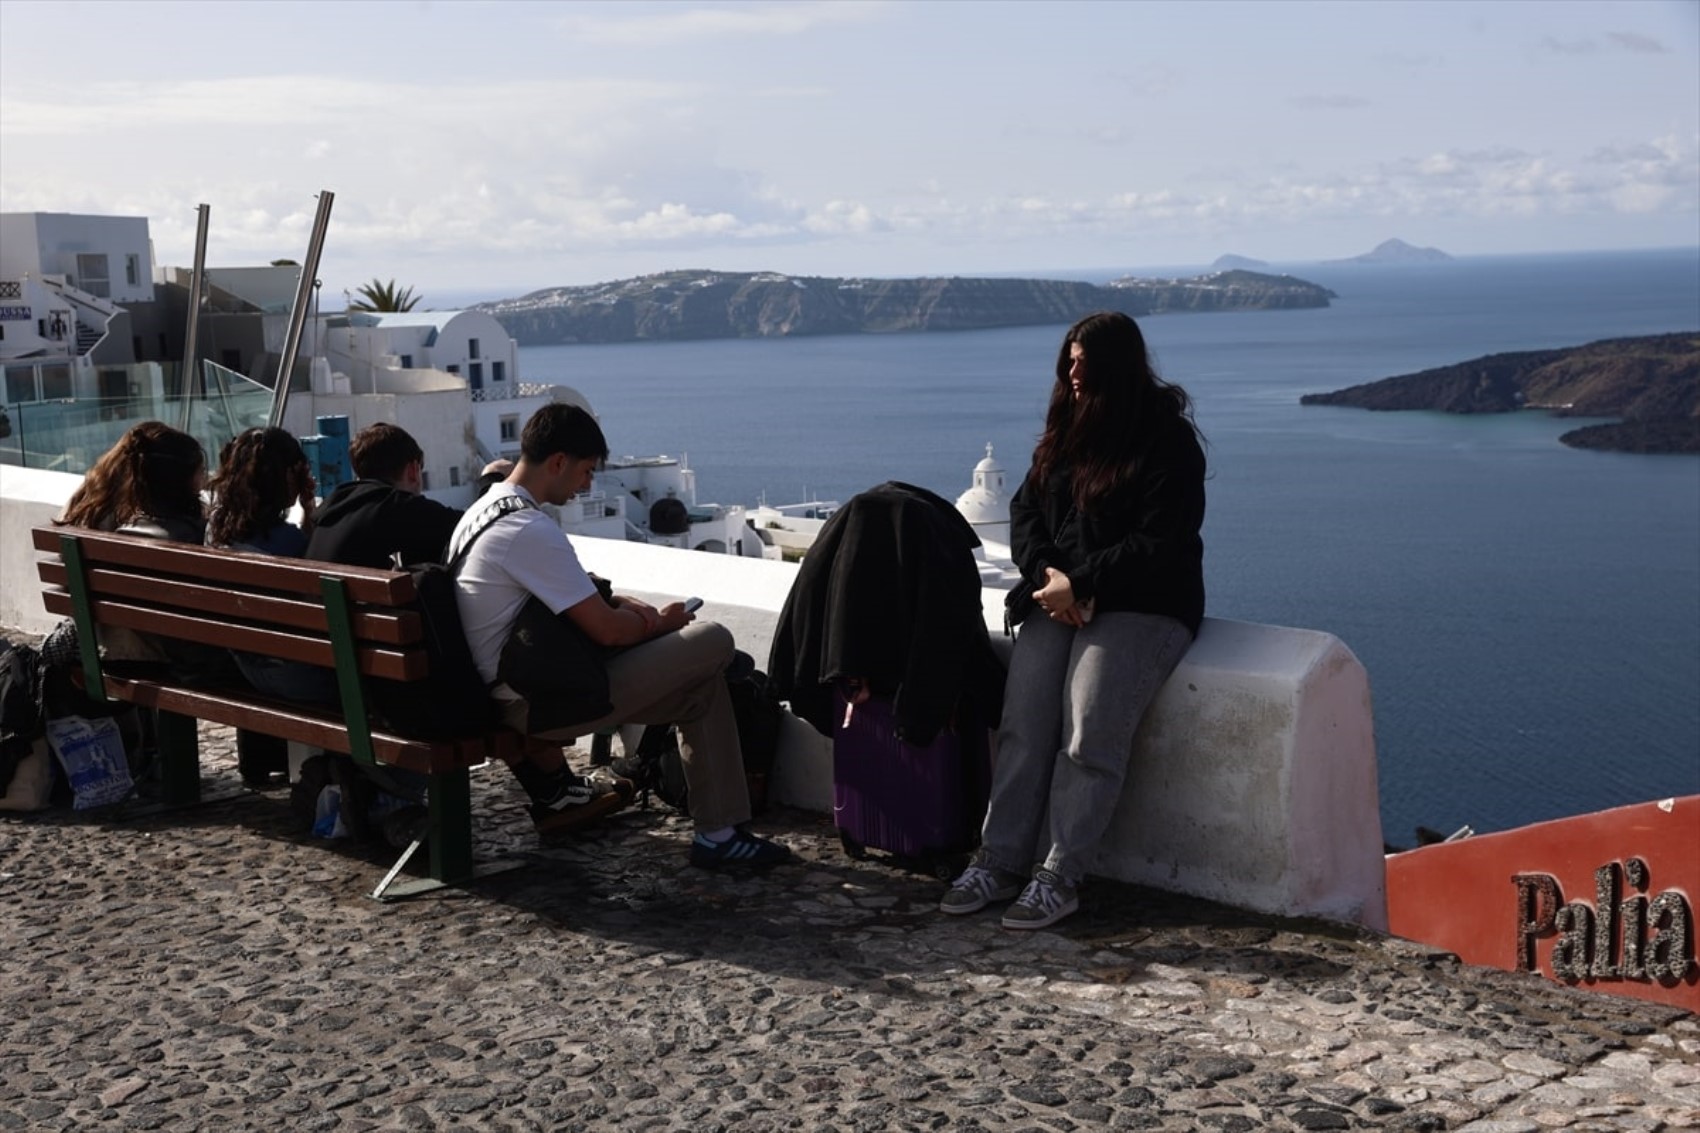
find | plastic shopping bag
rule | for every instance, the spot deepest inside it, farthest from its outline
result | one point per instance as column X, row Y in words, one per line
column 92, row 754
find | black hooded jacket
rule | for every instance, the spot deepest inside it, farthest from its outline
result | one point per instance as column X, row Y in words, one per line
column 889, row 594
column 365, row 522
column 1138, row 551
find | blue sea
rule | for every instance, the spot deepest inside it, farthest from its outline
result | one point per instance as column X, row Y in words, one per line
column 1528, row 613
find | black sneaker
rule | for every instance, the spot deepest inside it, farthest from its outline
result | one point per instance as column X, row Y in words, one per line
column 582, row 800
column 741, row 849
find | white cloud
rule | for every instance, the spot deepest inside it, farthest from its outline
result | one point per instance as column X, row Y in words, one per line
column 673, row 25
column 1329, row 102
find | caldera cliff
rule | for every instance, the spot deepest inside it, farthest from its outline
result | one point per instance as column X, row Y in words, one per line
column 1652, row 383
column 709, row 304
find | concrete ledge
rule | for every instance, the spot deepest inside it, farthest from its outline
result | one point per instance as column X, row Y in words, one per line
column 29, row 497
column 1253, row 780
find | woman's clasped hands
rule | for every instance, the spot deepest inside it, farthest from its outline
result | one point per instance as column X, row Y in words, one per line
column 1056, row 598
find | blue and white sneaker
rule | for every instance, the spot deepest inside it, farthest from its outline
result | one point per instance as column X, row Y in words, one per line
column 741, row 849
column 1046, row 900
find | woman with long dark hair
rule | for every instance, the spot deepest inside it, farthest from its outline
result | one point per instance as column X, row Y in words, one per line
column 151, row 478
column 148, row 483
column 1105, row 531
column 262, row 472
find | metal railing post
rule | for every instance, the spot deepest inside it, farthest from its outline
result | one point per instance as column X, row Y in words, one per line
column 298, row 313
column 191, row 332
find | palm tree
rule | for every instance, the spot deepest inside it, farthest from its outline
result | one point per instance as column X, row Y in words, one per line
column 381, row 296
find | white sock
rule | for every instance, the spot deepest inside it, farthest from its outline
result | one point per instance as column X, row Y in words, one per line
column 721, row 835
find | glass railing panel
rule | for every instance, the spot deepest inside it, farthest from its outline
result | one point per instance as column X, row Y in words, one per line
column 70, row 435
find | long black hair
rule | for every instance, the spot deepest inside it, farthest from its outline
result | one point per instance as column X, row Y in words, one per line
column 1102, row 435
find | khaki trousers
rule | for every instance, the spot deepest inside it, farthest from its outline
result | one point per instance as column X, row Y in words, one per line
column 677, row 679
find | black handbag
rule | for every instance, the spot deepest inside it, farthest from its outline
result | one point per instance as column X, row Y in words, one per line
column 561, row 673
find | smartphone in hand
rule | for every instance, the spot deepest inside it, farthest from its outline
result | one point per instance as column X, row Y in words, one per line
column 692, row 605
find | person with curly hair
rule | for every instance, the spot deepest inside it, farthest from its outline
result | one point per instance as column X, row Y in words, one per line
column 262, row 472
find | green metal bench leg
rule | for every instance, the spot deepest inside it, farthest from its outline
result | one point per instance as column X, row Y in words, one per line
column 450, row 838
column 179, row 760
column 451, row 827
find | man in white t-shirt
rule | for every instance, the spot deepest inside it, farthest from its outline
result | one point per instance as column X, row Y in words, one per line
column 669, row 668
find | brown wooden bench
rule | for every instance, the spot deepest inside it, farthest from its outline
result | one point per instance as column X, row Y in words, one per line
column 354, row 620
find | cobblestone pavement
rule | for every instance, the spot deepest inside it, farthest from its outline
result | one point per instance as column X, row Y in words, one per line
column 218, row 969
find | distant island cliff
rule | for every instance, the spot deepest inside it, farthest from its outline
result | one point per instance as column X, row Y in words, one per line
column 681, row 305
column 1651, row 383
column 1396, row 252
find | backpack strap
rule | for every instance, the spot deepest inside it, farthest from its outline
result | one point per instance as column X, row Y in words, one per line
column 506, row 505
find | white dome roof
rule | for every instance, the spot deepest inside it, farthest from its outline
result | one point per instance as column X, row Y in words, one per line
column 980, row 506
column 984, row 503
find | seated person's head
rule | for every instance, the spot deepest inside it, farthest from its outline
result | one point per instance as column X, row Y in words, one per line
column 560, row 449
column 389, row 453
column 261, row 473
column 153, row 471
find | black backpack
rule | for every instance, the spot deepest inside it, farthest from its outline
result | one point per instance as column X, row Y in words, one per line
column 453, row 699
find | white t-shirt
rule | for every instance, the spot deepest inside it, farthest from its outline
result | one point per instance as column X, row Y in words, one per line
column 521, row 554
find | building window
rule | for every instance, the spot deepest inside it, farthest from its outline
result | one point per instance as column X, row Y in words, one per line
column 133, row 270
column 510, row 427
column 472, row 348
column 424, row 480
column 20, row 383
column 56, row 383
column 407, row 361
column 94, row 275
column 454, row 369
column 475, row 373
column 454, row 476
column 498, row 371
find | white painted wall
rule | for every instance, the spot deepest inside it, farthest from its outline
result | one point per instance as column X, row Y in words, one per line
column 48, row 243
column 29, row 498
column 1253, row 783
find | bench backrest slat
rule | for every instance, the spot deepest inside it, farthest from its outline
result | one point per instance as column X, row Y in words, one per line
column 235, row 568
column 380, row 625
column 400, row 663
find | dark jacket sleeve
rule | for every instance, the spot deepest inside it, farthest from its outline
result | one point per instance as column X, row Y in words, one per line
column 1031, row 537
column 1157, row 525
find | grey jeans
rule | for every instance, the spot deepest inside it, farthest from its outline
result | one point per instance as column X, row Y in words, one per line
column 678, row 678
column 1072, row 704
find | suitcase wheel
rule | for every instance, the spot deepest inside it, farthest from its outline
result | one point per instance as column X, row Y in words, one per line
column 852, row 847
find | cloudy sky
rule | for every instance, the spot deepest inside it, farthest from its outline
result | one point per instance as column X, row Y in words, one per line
column 486, row 149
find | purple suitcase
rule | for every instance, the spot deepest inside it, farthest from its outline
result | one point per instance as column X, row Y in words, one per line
column 924, row 804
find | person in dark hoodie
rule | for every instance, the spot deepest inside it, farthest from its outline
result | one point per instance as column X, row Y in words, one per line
column 384, row 519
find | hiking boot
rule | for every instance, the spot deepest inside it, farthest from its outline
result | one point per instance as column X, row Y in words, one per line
column 741, row 849
column 1046, row 900
column 581, row 800
column 979, row 886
